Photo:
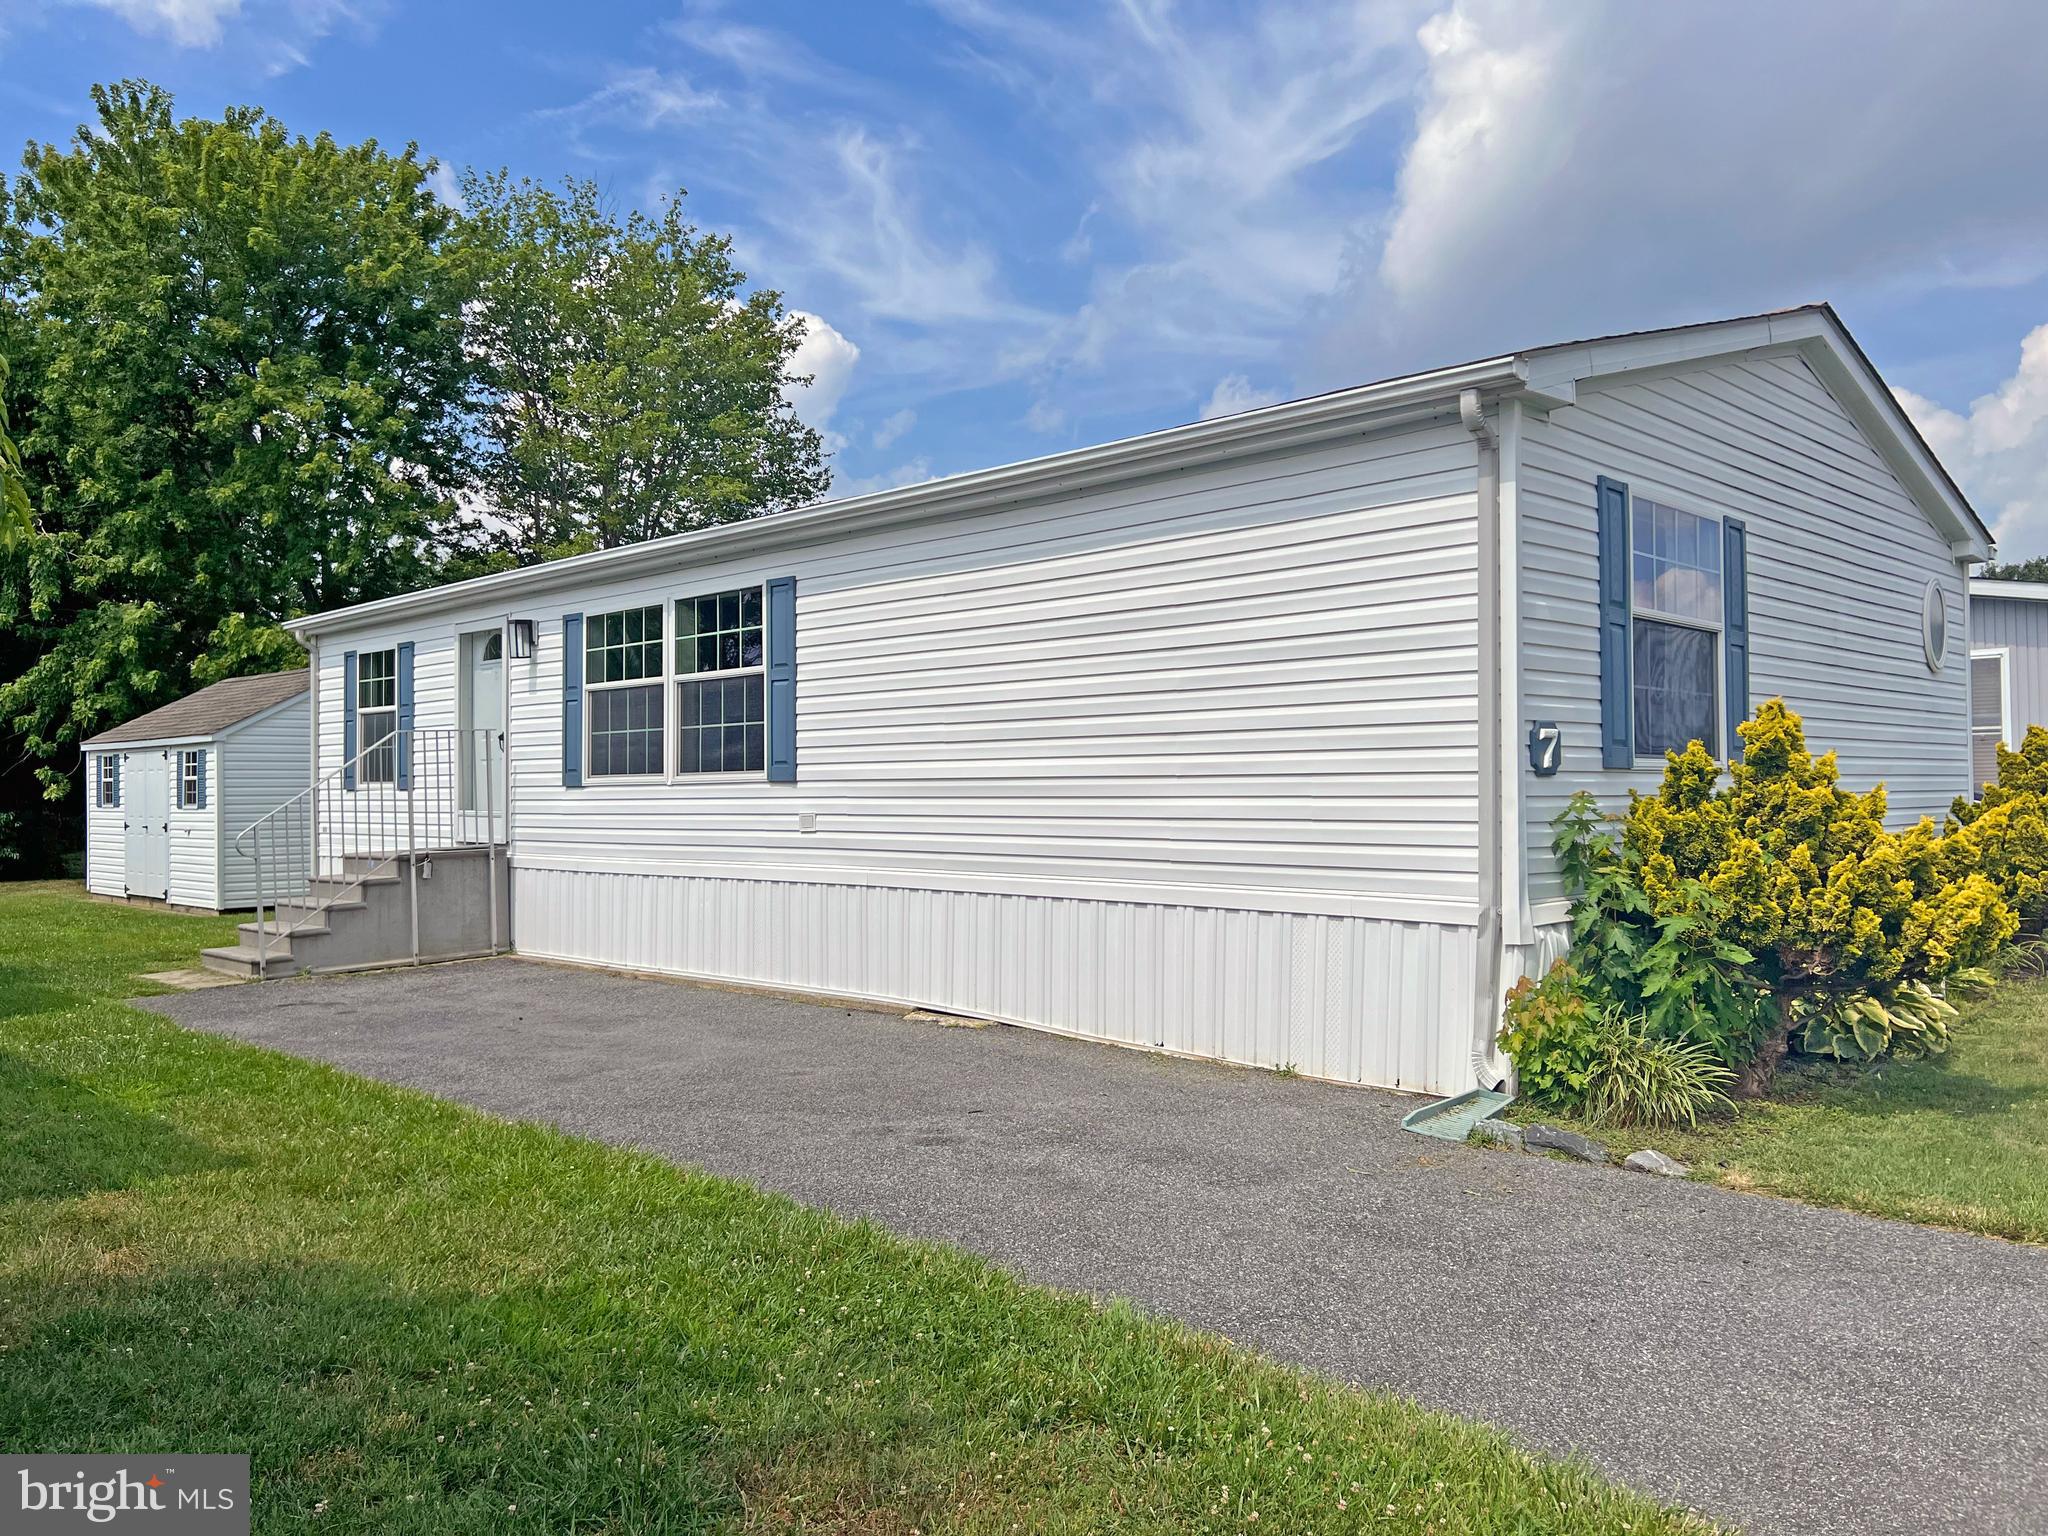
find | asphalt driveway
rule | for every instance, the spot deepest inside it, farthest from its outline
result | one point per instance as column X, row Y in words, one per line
column 1782, row 1368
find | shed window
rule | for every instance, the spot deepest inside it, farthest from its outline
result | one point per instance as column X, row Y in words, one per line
column 109, row 781
column 721, row 698
column 623, row 679
column 377, row 716
column 188, row 781
column 1676, row 627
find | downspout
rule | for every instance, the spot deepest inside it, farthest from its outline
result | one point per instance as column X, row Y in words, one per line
column 1486, row 989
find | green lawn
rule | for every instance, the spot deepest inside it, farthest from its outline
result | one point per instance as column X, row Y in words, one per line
column 415, row 1317
column 1959, row 1141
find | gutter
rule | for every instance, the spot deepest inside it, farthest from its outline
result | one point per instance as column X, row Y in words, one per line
column 1368, row 407
column 1486, row 989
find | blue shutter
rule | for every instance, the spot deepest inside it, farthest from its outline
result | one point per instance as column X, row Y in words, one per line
column 782, row 680
column 1735, row 633
column 118, row 762
column 348, row 720
column 405, row 714
column 200, row 763
column 572, row 701
column 1617, row 724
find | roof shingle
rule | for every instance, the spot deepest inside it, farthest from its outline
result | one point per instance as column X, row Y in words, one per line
column 209, row 711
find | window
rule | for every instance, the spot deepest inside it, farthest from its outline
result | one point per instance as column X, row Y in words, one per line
column 188, row 781
column 1987, row 715
column 721, row 698
column 1675, row 627
column 623, row 681
column 377, row 717
column 110, row 780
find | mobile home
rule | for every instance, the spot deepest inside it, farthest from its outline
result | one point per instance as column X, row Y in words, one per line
column 1241, row 739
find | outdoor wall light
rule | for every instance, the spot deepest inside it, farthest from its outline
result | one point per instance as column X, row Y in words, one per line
column 522, row 639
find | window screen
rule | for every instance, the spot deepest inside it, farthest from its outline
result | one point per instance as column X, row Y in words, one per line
column 377, row 716
column 1674, row 687
column 1987, row 717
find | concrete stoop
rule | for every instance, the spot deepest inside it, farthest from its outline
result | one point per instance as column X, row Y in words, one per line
column 364, row 917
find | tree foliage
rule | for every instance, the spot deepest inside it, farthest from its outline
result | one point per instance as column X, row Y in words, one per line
column 2035, row 569
column 245, row 357
column 632, row 388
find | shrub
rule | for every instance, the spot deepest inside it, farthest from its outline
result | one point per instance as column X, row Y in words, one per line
column 1602, row 1061
column 1756, row 915
column 2004, row 836
column 1642, row 1078
column 1552, row 1035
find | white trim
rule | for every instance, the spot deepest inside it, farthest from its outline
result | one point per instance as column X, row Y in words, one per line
column 1398, row 908
column 1546, row 377
column 2005, row 712
column 1366, row 408
column 2009, row 591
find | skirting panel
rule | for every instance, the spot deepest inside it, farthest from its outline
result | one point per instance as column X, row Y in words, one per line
column 1359, row 1000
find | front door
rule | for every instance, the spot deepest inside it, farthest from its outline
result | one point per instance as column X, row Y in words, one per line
column 482, row 712
column 146, row 813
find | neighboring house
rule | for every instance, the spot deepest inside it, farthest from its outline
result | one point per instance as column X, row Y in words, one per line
column 2008, row 668
column 166, row 793
column 1241, row 739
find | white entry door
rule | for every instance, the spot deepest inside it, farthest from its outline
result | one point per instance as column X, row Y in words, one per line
column 482, row 711
column 146, row 813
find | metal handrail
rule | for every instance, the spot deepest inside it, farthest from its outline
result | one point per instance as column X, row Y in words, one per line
column 400, row 797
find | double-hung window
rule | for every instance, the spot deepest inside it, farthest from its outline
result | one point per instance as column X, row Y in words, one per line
column 188, row 781
column 623, row 683
column 377, row 716
column 110, row 780
column 1989, row 723
column 1675, row 628
column 721, row 692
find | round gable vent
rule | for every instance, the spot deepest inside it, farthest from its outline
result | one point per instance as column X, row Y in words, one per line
column 1934, row 626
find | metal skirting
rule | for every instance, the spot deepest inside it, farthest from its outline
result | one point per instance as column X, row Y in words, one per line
column 1358, row 1000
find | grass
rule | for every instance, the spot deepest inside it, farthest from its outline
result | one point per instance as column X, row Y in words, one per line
column 417, row 1318
column 1957, row 1141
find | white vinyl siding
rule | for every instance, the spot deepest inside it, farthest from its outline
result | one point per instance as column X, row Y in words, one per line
column 1224, row 717
column 106, row 843
column 261, row 765
column 1839, row 557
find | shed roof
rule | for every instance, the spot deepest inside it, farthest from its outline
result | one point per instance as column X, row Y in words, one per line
column 208, row 712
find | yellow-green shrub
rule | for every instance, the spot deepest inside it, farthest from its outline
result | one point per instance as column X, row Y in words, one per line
column 2004, row 836
column 1770, row 908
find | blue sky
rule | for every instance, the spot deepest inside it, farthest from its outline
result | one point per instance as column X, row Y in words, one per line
column 1027, row 227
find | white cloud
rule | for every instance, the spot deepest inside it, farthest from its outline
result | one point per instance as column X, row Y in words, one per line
column 916, row 472
column 894, row 427
column 1998, row 450
column 828, row 359
column 441, row 181
column 279, row 30
column 1234, row 393
column 187, row 23
column 1583, row 166
column 1046, row 417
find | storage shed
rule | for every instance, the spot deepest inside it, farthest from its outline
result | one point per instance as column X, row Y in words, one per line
column 1241, row 739
column 166, row 793
column 2008, row 668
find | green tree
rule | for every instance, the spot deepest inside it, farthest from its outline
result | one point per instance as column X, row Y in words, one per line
column 243, row 358
column 2035, row 569
column 17, row 520
column 632, row 388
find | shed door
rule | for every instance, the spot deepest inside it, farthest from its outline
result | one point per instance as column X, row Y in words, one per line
column 146, row 813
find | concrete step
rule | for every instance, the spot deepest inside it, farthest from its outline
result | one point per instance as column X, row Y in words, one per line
column 252, row 933
column 291, row 914
column 244, row 960
column 330, row 888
